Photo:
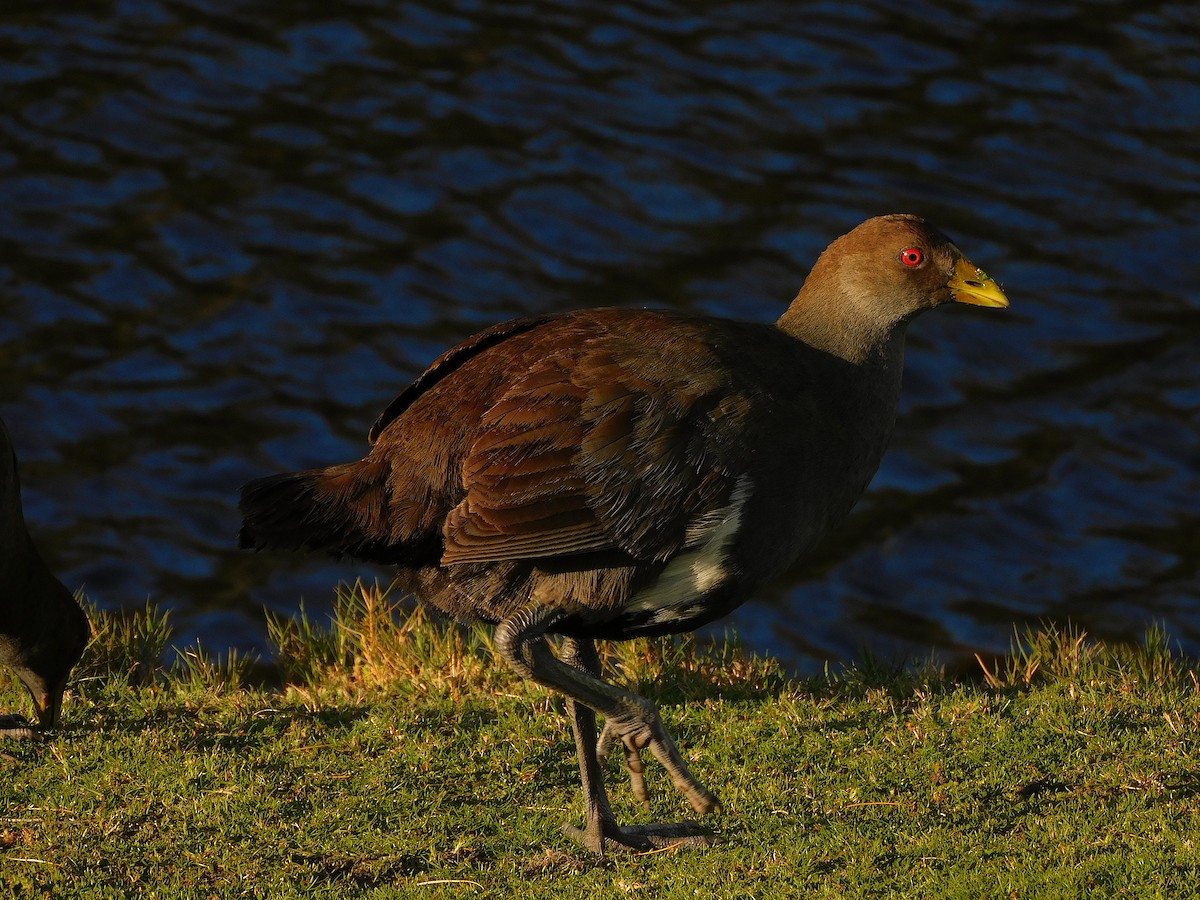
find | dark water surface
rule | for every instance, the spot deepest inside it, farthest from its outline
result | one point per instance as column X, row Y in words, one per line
column 231, row 232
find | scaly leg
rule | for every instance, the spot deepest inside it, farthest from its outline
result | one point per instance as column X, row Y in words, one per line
column 519, row 640
column 599, row 819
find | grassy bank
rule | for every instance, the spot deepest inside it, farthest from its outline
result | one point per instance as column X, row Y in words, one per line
column 400, row 762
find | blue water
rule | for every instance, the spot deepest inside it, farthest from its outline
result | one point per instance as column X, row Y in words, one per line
column 230, row 233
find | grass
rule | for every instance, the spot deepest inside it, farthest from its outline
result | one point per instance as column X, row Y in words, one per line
column 399, row 761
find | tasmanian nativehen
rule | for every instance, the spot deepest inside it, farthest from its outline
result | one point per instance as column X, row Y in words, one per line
column 42, row 629
column 611, row 473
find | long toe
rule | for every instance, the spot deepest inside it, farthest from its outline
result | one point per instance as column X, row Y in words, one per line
column 637, row 776
column 663, row 747
column 703, row 800
column 644, row 838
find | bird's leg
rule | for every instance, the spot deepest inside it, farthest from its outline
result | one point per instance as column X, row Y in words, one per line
column 519, row 640
column 599, row 819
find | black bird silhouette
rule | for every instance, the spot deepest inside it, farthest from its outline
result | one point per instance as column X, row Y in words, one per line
column 613, row 472
column 42, row 629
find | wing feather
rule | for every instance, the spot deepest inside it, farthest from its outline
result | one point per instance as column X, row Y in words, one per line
column 599, row 448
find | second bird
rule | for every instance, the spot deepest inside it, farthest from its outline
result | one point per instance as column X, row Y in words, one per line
column 43, row 631
column 613, row 473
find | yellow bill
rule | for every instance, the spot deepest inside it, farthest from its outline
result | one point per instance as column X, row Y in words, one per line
column 970, row 284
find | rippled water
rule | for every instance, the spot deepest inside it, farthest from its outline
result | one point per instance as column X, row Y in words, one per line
column 231, row 232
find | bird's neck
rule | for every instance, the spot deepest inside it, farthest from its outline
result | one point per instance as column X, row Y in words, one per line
column 841, row 327
column 866, row 354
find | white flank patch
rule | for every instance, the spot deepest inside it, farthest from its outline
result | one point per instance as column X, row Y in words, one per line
column 700, row 567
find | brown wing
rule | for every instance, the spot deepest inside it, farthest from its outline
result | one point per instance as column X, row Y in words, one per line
column 618, row 444
column 448, row 363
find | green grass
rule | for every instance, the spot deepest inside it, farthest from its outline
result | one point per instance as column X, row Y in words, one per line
column 401, row 762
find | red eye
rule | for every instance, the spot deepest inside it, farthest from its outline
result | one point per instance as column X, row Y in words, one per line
column 912, row 257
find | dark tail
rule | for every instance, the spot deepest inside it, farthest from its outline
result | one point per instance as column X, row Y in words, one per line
column 345, row 510
column 314, row 510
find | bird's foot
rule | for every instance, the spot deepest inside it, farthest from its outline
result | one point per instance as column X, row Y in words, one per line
column 609, row 837
column 18, row 728
column 609, row 738
column 649, row 731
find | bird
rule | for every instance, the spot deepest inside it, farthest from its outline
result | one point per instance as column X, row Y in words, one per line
column 620, row 472
column 43, row 630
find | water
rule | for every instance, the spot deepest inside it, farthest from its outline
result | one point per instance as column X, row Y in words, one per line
column 230, row 233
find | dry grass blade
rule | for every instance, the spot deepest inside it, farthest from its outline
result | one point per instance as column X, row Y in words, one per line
column 374, row 640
